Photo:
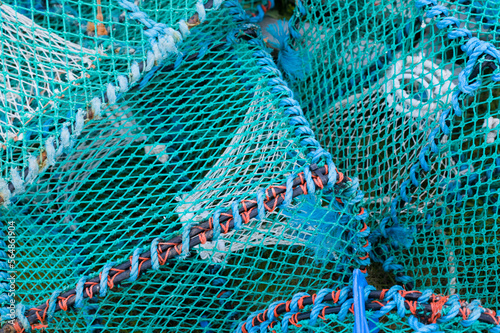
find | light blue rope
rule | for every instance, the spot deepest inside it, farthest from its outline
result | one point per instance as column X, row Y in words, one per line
column 79, row 292
column 285, row 321
column 261, row 194
column 311, row 189
column 418, row 327
column 20, row 310
column 236, row 215
column 134, row 269
column 344, row 309
column 454, row 309
column 52, row 305
column 103, row 283
column 216, row 224
column 154, row 254
column 4, row 276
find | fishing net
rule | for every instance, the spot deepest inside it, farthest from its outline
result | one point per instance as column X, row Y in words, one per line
column 199, row 159
column 171, row 166
column 412, row 107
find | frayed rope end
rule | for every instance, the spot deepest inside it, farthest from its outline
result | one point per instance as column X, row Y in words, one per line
column 294, row 64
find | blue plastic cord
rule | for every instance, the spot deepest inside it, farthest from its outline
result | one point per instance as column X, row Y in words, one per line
column 360, row 322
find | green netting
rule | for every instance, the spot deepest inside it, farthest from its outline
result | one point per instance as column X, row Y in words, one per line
column 419, row 91
column 205, row 129
column 169, row 166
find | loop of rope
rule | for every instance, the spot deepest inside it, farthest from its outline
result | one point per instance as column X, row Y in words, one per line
column 134, row 269
column 79, row 292
column 52, row 305
column 103, row 284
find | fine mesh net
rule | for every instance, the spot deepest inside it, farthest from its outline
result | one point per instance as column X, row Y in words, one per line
column 49, row 78
column 171, row 166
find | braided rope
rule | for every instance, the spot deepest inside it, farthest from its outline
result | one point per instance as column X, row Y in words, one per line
column 427, row 309
column 112, row 275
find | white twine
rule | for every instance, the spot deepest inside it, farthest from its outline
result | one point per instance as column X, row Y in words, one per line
column 435, row 83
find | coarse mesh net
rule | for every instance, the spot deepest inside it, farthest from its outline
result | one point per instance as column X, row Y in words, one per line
column 160, row 169
column 200, row 131
column 382, row 101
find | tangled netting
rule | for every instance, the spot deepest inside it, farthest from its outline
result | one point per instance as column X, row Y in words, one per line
column 174, row 165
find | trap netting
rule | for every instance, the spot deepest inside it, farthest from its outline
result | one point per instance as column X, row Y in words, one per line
column 61, row 64
column 406, row 94
column 199, row 192
column 187, row 179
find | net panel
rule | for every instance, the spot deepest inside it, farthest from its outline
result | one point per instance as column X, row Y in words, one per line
column 75, row 55
column 212, row 127
column 46, row 78
column 392, row 104
column 200, row 134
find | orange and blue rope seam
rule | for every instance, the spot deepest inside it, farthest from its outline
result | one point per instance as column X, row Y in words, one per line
column 165, row 250
column 427, row 309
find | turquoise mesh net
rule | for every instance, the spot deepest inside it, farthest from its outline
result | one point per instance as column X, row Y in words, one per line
column 185, row 165
column 412, row 107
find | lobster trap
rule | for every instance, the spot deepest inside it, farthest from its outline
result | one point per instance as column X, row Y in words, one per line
column 220, row 166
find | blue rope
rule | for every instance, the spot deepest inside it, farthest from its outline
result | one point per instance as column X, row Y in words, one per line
column 186, row 231
column 5, row 290
column 20, row 310
column 103, row 284
column 418, row 327
column 52, row 305
column 154, row 254
column 475, row 49
column 134, row 270
column 236, row 215
column 79, row 292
